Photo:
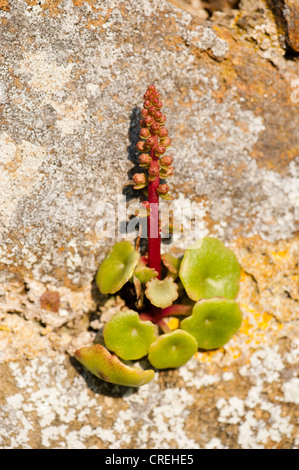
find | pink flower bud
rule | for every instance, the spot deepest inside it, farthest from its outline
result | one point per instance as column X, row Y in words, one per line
column 158, row 115
column 139, row 178
column 144, row 112
column 162, row 119
column 153, row 171
column 152, row 110
column 150, row 142
column 144, row 133
column 158, row 104
column 151, row 88
column 166, row 141
column 163, row 132
column 146, row 204
column 148, row 120
column 166, row 160
column 141, row 146
column 162, row 188
column 147, row 104
column 159, row 150
column 144, row 159
column 155, row 128
column 166, row 173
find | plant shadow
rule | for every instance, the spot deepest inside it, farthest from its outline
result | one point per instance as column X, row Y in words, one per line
column 128, row 191
column 133, row 153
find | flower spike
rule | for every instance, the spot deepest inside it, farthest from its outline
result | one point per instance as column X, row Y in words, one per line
column 152, row 147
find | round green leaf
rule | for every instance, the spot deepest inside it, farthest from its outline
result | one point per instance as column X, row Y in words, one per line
column 108, row 367
column 162, row 293
column 172, row 349
column 144, row 273
column 128, row 336
column 117, row 268
column 209, row 269
column 213, row 322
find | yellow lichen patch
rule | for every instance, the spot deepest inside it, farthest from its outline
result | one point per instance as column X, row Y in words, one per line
column 4, row 328
column 52, row 6
column 254, row 324
column 280, row 255
column 79, row 3
column 272, row 273
column 100, row 21
column 245, row 327
column 92, row 24
column 266, row 318
column 209, row 356
column 4, row 5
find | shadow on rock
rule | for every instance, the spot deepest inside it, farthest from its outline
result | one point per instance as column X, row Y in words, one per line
column 98, row 386
column 133, row 153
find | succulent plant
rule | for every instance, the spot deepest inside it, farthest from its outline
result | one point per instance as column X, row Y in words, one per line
column 200, row 286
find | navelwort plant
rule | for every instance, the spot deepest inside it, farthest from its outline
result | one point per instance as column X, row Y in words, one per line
column 199, row 288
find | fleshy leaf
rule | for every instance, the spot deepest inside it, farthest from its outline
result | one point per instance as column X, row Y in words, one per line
column 172, row 263
column 144, row 273
column 109, row 368
column 117, row 268
column 213, row 322
column 140, row 186
column 172, row 349
column 166, row 196
column 127, row 336
column 161, row 293
column 209, row 269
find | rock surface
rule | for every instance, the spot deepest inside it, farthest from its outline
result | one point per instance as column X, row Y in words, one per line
column 287, row 17
column 72, row 77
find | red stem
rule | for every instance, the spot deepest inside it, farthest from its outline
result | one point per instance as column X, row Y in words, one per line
column 177, row 309
column 153, row 228
column 156, row 315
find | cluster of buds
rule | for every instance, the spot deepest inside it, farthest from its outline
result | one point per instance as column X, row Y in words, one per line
column 155, row 141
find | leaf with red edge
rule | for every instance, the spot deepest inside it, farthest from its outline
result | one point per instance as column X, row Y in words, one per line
column 109, row 368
